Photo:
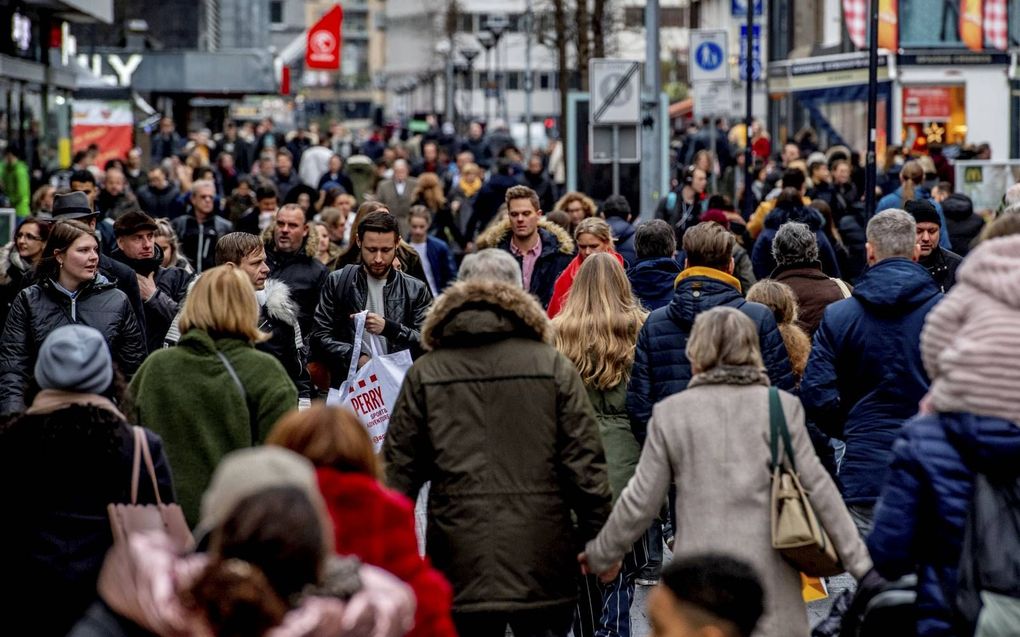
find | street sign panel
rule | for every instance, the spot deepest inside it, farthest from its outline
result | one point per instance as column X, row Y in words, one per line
column 600, row 144
column 615, row 91
column 713, row 99
column 756, row 60
column 739, row 8
column 709, row 57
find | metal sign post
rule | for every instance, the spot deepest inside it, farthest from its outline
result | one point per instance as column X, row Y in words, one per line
column 616, row 113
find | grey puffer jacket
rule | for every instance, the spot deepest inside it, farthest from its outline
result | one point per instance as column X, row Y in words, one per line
column 41, row 308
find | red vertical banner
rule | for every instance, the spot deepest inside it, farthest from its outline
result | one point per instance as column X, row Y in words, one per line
column 285, row 80
column 971, row 28
column 888, row 24
column 323, row 47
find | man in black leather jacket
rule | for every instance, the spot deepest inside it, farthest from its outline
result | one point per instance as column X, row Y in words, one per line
column 162, row 289
column 396, row 303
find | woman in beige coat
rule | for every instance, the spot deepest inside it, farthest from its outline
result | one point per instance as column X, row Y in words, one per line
column 711, row 442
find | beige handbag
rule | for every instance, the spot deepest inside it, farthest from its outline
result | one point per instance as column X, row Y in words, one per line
column 796, row 532
column 127, row 519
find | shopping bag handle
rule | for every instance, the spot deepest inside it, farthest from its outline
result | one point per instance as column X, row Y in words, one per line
column 359, row 335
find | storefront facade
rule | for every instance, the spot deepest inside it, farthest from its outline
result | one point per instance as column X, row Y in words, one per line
column 36, row 80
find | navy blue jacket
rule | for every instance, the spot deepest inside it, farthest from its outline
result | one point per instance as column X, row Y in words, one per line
column 864, row 377
column 623, row 233
column 919, row 522
column 661, row 367
column 761, row 256
column 442, row 263
column 652, row 281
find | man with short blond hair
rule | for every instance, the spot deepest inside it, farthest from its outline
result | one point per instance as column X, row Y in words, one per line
column 542, row 248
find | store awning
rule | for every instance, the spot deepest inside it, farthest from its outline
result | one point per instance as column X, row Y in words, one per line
column 826, row 72
column 244, row 71
column 78, row 10
column 683, row 108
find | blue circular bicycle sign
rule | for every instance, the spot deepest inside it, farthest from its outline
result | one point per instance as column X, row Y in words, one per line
column 709, row 56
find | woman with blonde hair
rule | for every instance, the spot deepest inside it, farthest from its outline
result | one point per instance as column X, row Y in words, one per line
column 370, row 522
column 429, row 193
column 593, row 235
column 578, row 205
column 710, row 443
column 214, row 392
column 779, row 298
column 597, row 330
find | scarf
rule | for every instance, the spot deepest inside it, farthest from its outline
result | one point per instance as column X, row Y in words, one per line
column 48, row 401
column 470, row 188
column 731, row 375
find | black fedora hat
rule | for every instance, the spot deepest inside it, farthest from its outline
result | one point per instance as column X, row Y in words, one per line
column 72, row 205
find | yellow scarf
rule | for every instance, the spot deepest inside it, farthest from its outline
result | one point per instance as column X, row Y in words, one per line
column 711, row 273
column 469, row 189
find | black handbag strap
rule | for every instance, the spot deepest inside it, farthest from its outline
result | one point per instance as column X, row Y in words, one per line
column 252, row 420
column 777, row 429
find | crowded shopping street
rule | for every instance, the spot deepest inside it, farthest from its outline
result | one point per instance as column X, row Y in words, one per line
column 542, row 318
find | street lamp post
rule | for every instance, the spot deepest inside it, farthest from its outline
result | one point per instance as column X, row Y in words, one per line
column 469, row 55
column 487, row 41
column 497, row 26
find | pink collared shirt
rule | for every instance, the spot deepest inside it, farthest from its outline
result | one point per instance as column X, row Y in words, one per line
column 529, row 260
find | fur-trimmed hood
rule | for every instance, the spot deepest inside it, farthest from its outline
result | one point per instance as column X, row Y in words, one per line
column 275, row 297
column 472, row 311
column 497, row 233
column 9, row 258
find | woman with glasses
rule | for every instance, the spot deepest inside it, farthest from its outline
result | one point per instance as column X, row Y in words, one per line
column 17, row 258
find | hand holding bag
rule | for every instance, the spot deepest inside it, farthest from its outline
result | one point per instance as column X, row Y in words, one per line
column 128, row 519
column 371, row 392
column 796, row 533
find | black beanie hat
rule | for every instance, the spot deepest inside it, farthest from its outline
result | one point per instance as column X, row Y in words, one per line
column 923, row 212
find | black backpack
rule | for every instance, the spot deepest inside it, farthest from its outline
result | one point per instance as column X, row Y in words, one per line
column 990, row 559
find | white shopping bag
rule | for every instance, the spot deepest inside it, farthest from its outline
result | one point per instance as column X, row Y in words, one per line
column 371, row 392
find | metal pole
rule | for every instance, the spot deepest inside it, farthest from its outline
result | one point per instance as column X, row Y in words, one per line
column 616, row 160
column 652, row 167
column 712, row 149
column 450, row 93
column 528, row 87
column 749, row 116
column 870, row 177
column 488, row 83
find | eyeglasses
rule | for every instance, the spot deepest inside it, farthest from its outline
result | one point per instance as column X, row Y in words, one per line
column 30, row 237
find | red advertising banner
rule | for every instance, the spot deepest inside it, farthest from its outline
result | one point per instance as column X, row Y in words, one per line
column 323, row 48
column 107, row 124
column 926, row 104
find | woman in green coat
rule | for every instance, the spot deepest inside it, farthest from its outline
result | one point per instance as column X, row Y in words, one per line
column 597, row 330
column 15, row 182
column 213, row 393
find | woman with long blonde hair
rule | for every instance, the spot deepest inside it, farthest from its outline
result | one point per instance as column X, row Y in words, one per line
column 597, row 330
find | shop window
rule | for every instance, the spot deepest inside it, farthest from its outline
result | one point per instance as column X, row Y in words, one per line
column 934, row 115
column 929, row 23
column 276, row 11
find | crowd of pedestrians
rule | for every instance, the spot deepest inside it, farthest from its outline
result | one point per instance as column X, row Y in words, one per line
column 587, row 390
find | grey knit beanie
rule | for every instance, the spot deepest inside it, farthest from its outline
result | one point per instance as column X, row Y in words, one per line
column 74, row 358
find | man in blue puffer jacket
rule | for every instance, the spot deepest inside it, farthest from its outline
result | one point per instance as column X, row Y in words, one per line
column 864, row 377
column 661, row 367
column 652, row 276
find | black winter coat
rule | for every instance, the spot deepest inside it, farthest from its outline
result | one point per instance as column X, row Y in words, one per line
column 158, row 203
column 345, row 292
column 171, row 288
column 278, row 318
column 962, row 224
column 304, row 276
column 557, row 253
column 941, row 264
column 198, row 241
column 661, row 367
column 58, row 471
column 14, row 277
column 40, row 309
